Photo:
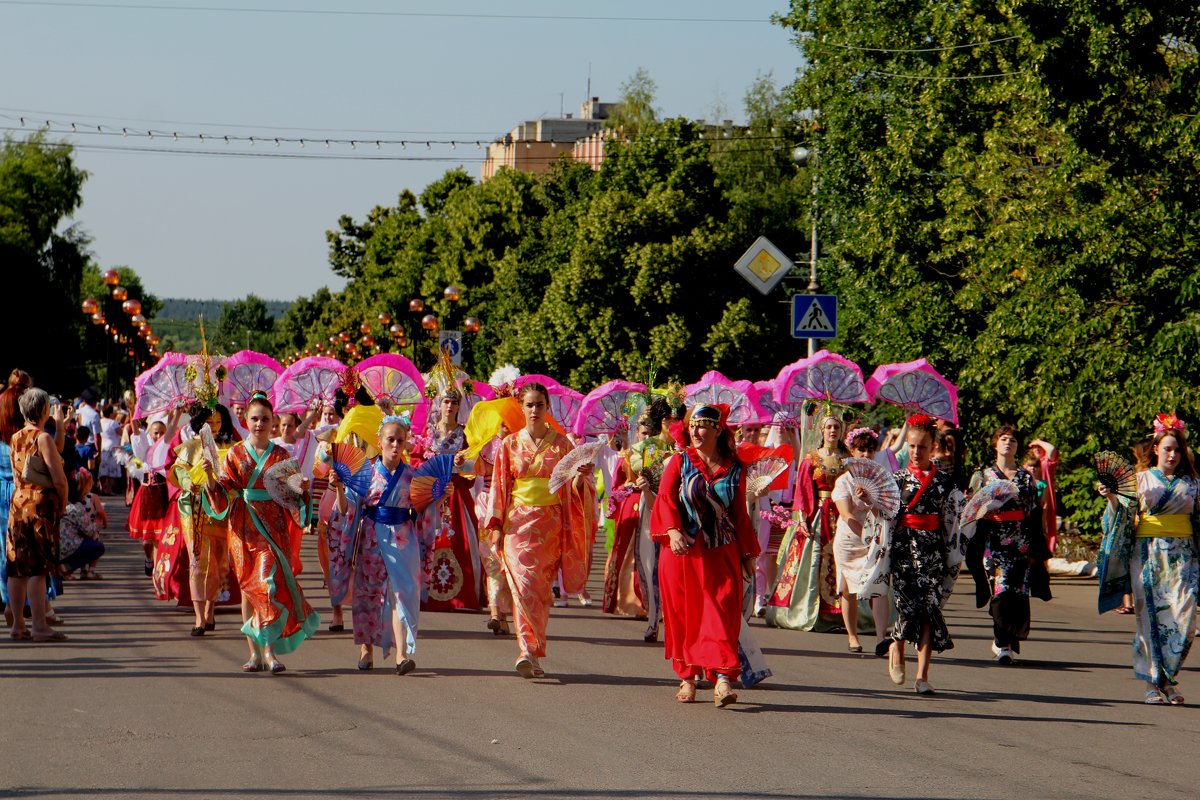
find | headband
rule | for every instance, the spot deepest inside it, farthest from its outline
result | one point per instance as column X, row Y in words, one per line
column 395, row 419
column 854, row 434
column 1168, row 423
column 706, row 417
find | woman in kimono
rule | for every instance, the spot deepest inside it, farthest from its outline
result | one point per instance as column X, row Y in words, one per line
column 1008, row 553
column 454, row 582
column 700, row 515
column 920, row 554
column 538, row 532
column 1150, row 549
column 805, row 596
column 150, row 508
column 264, row 544
column 378, row 546
column 858, row 524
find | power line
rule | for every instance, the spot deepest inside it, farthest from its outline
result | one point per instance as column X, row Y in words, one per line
column 358, row 13
column 860, row 49
column 945, row 77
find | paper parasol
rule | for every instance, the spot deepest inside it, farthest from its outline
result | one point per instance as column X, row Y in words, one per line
column 915, row 386
column 824, row 376
column 762, row 473
column 770, row 410
column 430, row 480
column 164, row 387
column 394, row 377
column 987, row 498
column 714, row 388
column 352, row 467
column 247, row 372
column 309, row 379
column 602, row 409
column 566, row 468
column 881, row 486
column 283, row 484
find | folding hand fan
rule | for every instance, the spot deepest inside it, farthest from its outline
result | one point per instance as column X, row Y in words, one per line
column 309, row 379
column 164, row 386
column 988, row 498
column 393, row 377
column 916, row 387
column 762, row 473
column 1117, row 474
column 882, row 491
column 714, row 388
column 247, row 372
column 824, row 376
column 283, row 482
column 351, row 466
column 430, row 481
column 569, row 465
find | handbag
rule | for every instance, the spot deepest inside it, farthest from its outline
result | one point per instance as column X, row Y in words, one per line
column 37, row 472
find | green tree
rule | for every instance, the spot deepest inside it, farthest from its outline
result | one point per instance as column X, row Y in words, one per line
column 245, row 324
column 635, row 111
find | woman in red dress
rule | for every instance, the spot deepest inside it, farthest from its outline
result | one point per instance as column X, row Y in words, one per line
column 700, row 512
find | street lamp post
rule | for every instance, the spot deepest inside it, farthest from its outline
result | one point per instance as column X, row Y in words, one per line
column 804, row 156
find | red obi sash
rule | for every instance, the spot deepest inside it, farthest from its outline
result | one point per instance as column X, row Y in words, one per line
column 1015, row 515
column 921, row 522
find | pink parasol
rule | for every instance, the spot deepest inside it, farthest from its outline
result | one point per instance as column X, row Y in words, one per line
column 309, row 379
column 770, row 410
column 564, row 401
column 714, row 388
column 824, row 376
column 394, row 377
column 602, row 410
column 916, row 386
column 248, row 372
column 164, row 387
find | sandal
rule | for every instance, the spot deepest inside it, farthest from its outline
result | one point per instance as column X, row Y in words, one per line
column 1125, row 610
column 525, row 667
column 405, row 666
column 723, row 693
column 275, row 665
column 1173, row 696
column 52, row 636
column 255, row 664
column 687, row 692
column 21, row 635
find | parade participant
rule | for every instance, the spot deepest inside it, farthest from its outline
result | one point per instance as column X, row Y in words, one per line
column 204, row 531
column 951, row 456
column 107, row 444
column 858, row 524
column 621, row 585
column 331, row 417
column 39, row 499
column 455, row 567
column 1008, row 553
column 378, row 547
column 805, row 596
column 538, row 532
column 920, row 555
column 490, row 421
column 149, row 510
column 264, row 544
column 647, row 460
column 1149, row 550
column 700, row 514
column 11, row 421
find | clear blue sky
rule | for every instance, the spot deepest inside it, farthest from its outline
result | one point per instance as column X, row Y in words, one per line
column 221, row 227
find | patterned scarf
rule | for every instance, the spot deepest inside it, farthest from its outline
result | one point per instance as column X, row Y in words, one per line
column 706, row 504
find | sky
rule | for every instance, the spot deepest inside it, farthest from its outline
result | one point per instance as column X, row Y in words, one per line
column 224, row 226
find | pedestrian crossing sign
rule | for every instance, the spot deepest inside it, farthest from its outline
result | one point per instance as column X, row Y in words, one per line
column 814, row 316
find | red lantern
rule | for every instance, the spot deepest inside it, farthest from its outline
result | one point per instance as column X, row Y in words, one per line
column 385, row 318
column 345, row 337
column 132, row 307
column 452, row 293
column 154, row 340
column 368, row 340
column 320, row 347
column 429, row 322
column 397, row 330
column 119, row 293
column 98, row 318
column 112, row 277
column 137, row 319
column 416, row 305
column 90, row 305
column 472, row 325
column 364, row 328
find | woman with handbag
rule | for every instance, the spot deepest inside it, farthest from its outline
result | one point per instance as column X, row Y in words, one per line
column 39, row 499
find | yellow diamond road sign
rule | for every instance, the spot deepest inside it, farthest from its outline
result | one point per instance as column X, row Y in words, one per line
column 763, row 265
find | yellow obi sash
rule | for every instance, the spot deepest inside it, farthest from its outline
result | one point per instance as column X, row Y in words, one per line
column 534, row 492
column 1176, row 525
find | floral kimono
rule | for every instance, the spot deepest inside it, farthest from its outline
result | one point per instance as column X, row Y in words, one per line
column 919, row 552
column 377, row 545
column 264, row 545
column 1150, row 550
column 542, row 532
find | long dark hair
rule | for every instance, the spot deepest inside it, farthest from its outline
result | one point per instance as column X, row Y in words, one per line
column 200, row 415
column 11, row 418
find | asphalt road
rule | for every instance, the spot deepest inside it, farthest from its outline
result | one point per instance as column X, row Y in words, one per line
column 132, row 706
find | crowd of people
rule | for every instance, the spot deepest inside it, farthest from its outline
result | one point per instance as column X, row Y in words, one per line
column 863, row 532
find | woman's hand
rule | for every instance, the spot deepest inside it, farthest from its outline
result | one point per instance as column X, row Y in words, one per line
column 678, row 543
column 748, row 565
column 335, row 482
column 1102, row 490
column 460, row 458
column 641, row 482
column 863, row 496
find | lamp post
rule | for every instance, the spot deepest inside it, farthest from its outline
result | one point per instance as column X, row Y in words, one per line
column 804, row 156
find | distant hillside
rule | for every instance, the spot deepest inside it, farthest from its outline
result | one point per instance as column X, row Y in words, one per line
column 185, row 309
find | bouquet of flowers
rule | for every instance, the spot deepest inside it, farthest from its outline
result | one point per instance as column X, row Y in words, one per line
column 613, row 505
column 780, row 516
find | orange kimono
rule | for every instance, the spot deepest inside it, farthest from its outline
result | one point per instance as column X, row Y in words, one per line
column 264, row 545
column 542, row 532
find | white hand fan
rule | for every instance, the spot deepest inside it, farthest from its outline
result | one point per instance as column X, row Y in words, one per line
column 210, row 446
column 882, row 490
column 566, row 468
column 762, row 473
column 988, row 498
column 283, row 484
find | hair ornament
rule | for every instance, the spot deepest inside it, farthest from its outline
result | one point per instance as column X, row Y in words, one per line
column 1168, row 423
column 920, row 421
column 260, row 395
column 856, row 432
column 403, row 420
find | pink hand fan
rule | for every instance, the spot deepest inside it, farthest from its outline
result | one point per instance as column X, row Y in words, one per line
column 164, row 387
column 393, row 377
column 247, row 372
column 882, row 490
column 309, row 379
column 602, row 409
column 569, row 465
column 988, row 498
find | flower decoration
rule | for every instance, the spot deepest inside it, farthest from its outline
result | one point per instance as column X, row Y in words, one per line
column 1166, row 423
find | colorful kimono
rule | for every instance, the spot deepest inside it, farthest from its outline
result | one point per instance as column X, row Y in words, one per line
column 542, row 532
column 702, row 589
column 1008, row 556
column 1150, row 550
column 454, row 566
column 919, row 553
column 205, row 534
column 805, row 596
column 649, row 455
column 264, row 545
column 377, row 545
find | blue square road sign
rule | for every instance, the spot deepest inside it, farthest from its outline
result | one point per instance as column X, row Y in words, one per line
column 814, row 316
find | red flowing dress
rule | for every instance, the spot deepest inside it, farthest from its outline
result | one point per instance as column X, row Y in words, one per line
column 701, row 589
